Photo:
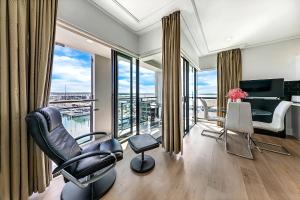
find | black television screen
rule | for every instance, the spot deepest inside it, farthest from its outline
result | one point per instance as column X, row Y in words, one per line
column 263, row 87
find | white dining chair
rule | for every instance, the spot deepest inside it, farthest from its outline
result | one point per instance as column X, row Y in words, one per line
column 211, row 119
column 277, row 125
column 239, row 120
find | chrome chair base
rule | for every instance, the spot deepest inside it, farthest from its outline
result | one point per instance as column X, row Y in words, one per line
column 263, row 146
column 237, row 154
column 93, row 191
column 218, row 136
column 243, row 156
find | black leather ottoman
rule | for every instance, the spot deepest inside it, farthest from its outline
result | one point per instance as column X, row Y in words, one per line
column 139, row 144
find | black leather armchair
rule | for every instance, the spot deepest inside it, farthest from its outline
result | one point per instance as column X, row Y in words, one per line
column 89, row 171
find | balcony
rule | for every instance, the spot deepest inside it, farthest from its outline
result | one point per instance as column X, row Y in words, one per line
column 149, row 113
column 77, row 115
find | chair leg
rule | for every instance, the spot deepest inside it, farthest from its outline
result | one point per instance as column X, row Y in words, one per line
column 225, row 132
column 255, row 145
column 219, row 133
column 249, row 145
column 240, row 155
column 283, row 151
column 142, row 163
column 222, row 133
column 93, row 191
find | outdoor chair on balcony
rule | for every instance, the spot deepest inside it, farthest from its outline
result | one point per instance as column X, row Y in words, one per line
column 90, row 170
column 211, row 119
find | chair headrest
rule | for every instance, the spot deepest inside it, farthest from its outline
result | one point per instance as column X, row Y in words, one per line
column 52, row 116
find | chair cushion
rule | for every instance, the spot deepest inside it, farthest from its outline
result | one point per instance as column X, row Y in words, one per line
column 52, row 116
column 93, row 164
column 143, row 142
column 111, row 145
column 265, row 126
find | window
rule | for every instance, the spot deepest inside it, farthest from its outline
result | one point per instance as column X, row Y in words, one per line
column 71, row 89
column 150, row 89
column 137, row 97
column 126, row 90
column 207, row 89
column 189, row 94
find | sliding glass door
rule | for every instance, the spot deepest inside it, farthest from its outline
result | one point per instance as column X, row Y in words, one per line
column 124, row 91
column 189, row 95
column 137, row 97
column 185, row 106
column 192, row 96
column 150, row 99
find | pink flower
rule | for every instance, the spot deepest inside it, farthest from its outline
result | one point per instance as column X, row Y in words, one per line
column 236, row 93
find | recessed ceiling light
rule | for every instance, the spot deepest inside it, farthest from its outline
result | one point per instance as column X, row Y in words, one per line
column 228, row 39
column 89, row 41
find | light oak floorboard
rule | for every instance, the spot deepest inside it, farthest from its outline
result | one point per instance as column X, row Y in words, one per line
column 205, row 171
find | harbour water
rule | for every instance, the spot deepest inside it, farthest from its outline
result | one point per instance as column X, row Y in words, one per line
column 76, row 125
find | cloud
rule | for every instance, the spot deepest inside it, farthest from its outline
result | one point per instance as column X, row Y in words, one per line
column 147, row 79
column 149, row 89
column 207, row 82
column 71, row 70
column 69, row 52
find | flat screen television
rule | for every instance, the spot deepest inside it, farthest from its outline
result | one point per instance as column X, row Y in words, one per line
column 263, row 87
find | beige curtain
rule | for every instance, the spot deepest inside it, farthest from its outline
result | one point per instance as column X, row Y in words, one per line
column 229, row 72
column 172, row 124
column 27, row 41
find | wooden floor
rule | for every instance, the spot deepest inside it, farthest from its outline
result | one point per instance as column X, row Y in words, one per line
column 205, row 171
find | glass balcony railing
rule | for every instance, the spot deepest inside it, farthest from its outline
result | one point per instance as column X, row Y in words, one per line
column 149, row 115
column 76, row 116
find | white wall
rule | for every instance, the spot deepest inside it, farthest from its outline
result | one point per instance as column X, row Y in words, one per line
column 208, row 62
column 150, row 42
column 103, row 90
column 188, row 50
column 83, row 15
column 278, row 60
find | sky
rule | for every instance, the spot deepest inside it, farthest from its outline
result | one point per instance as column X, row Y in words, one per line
column 147, row 79
column 207, row 82
column 72, row 69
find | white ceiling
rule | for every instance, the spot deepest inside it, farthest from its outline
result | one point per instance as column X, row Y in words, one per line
column 212, row 25
column 80, row 42
column 74, row 40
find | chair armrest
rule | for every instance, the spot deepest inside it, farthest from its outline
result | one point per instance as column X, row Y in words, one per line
column 90, row 134
column 80, row 157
